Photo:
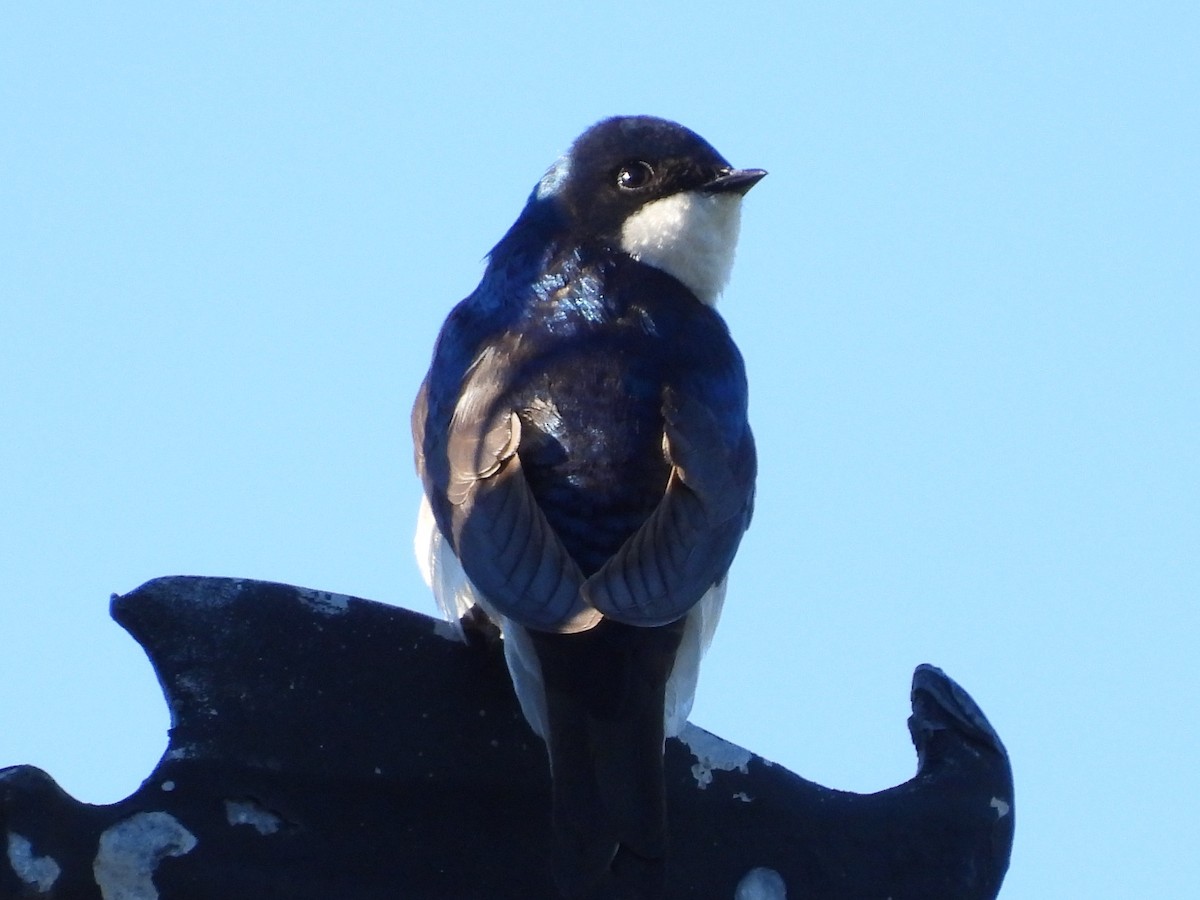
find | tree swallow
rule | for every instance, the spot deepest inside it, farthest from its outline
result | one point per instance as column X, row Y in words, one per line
column 588, row 468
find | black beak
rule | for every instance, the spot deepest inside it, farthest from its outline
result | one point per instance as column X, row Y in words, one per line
column 736, row 181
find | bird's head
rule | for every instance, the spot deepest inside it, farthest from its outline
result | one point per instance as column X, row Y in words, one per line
column 656, row 191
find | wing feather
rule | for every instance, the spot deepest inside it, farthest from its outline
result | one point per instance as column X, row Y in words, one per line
column 517, row 564
column 469, row 442
column 688, row 542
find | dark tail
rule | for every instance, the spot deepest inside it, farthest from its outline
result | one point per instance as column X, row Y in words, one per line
column 604, row 700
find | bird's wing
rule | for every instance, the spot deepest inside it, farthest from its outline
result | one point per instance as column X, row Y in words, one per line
column 512, row 556
column 688, row 542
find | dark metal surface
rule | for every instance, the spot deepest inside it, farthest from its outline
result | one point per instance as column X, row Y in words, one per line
column 327, row 747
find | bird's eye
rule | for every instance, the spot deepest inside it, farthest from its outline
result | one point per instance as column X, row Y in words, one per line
column 634, row 175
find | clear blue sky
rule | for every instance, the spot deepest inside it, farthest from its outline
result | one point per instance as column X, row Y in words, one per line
column 967, row 295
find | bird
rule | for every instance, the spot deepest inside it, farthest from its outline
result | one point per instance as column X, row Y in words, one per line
column 588, row 470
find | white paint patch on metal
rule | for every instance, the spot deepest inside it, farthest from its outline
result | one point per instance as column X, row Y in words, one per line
column 247, row 812
column 39, row 872
column 712, row 753
column 131, row 850
column 451, row 631
column 761, row 884
column 324, row 602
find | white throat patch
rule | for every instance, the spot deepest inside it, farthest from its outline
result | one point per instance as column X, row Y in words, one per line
column 690, row 235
